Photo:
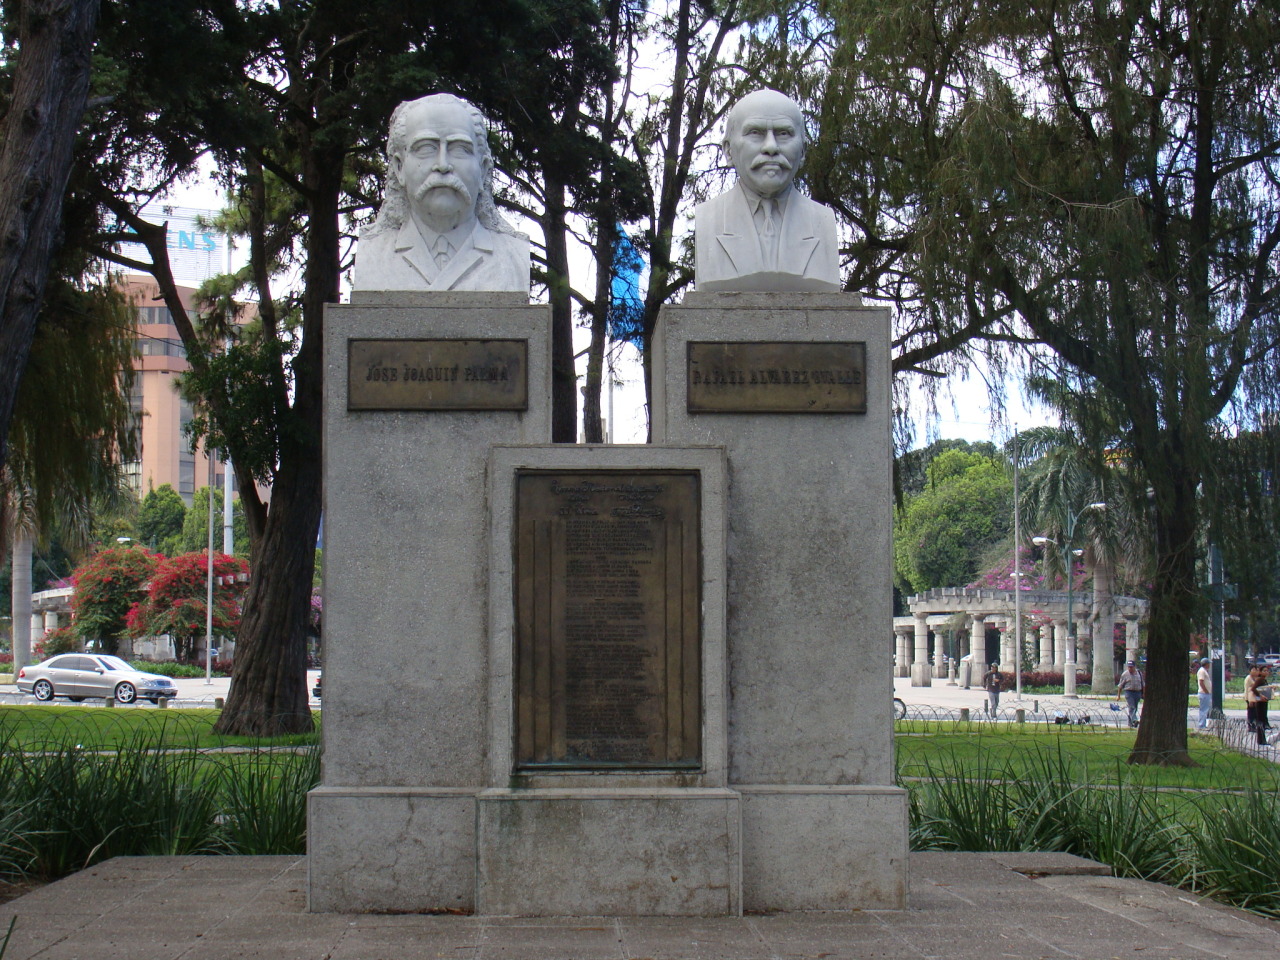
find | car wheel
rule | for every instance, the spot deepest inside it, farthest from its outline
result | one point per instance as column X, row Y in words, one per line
column 43, row 690
column 76, row 699
column 126, row 692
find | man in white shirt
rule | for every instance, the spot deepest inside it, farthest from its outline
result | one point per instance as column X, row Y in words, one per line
column 763, row 234
column 438, row 228
column 1204, row 688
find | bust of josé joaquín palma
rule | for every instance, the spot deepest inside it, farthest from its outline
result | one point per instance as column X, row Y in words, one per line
column 763, row 234
column 438, row 228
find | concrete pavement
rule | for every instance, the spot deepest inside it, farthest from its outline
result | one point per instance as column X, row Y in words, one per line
column 963, row 906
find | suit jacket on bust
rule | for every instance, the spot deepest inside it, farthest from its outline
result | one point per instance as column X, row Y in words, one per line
column 727, row 250
column 401, row 260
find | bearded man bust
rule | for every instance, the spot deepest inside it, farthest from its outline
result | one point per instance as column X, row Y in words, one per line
column 438, row 228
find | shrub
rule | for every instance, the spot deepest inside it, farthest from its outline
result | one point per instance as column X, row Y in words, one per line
column 171, row 668
column 61, row 640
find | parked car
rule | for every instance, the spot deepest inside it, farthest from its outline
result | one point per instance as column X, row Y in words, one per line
column 78, row 676
column 315, row 691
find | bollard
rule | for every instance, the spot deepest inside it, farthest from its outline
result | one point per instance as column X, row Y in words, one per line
column 1021, row 715
column 217, row 703
column 162, row 703
column 108, row 701
column 1035, row 706
column 964, row 714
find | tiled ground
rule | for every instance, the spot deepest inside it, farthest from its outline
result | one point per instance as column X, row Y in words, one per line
column 962, row 906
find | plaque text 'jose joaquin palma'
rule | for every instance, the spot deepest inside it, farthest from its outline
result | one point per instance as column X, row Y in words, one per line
column 608, row 670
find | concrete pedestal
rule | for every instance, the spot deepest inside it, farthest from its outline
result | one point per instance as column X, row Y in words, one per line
column 809, row 598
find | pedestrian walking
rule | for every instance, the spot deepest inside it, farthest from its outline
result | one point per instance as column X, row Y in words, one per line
column 1130, row 685
column 992, row 683
column 1257, row 694
column 1204, row 688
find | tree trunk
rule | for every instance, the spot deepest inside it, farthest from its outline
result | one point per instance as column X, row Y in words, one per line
column 1102, row 626
column 20, row 598
column 268, row 695
column 564, row 378
column 592, row 421
column 55, row 43
column 1162, row 734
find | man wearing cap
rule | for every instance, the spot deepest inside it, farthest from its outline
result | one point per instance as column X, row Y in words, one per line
column 1205, row 691
column 1131, row 686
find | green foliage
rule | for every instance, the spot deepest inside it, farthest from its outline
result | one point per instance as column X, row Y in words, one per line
column 61, row 640
column 170, row 668
column 107, row 587
column 194, row 536
column 1072, row 792
column 65, row 805
column 160, row 519
column 942, row 530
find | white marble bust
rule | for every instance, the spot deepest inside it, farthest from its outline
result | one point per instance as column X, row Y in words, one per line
column 438, row 228
column 763, row 234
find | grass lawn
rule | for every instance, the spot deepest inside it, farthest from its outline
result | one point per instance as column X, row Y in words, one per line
column 32, row 726
column 1093, row 756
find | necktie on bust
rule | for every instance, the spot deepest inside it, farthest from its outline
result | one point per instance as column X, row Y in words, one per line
column 769, row 232
column 442, row 250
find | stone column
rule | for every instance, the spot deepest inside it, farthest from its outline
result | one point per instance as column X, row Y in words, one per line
column 1045, row 632
column 1009, row 659
column 920, row 676
column 902, row 662
column 804, row 624
column 978, row 643
column 1131, row 638
column 50, row 620
column 407, row 556
column 1059, row 644
column 37, row 627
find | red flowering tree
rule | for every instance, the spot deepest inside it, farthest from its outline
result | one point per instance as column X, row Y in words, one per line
column 107, row 586
column 176, row 600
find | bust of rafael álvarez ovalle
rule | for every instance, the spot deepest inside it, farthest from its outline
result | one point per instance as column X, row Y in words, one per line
column 438, row 228
column 763, row 234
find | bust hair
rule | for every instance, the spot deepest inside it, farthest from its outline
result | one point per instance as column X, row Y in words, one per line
column 395, row 202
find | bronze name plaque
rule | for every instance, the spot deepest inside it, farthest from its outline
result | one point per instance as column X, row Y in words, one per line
column 777, row 377
column 608, row 599
column 437, row 375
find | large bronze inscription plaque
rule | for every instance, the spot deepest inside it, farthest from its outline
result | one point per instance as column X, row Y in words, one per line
column 777, row 377
column 437, row 374
column 608, row 600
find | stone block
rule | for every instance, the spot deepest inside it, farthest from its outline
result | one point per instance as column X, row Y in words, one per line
column 824, row 848
column 809, row 542
column 602, row 852
column 406, row 556
column 390, row 850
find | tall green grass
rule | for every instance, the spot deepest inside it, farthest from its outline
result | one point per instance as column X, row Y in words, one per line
column 1223, row 843
column 65, row 805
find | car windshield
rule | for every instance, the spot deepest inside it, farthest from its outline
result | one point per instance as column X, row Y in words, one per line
column 113, row 663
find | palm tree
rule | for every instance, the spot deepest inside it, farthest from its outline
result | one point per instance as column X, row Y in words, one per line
column 72, row 428
column 1064, row 480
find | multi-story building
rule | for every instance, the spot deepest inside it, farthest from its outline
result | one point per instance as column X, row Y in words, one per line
column 165, row 449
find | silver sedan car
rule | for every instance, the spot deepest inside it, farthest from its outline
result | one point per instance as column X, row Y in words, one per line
column 78, row 676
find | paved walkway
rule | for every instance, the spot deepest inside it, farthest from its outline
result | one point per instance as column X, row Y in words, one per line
column 964, row 906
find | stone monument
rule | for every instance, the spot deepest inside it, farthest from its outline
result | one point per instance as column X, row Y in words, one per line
column 763, row 234
column 438, row 228
column 586, row 680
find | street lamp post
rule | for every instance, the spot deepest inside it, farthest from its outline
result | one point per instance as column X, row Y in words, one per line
column 1068, row 564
